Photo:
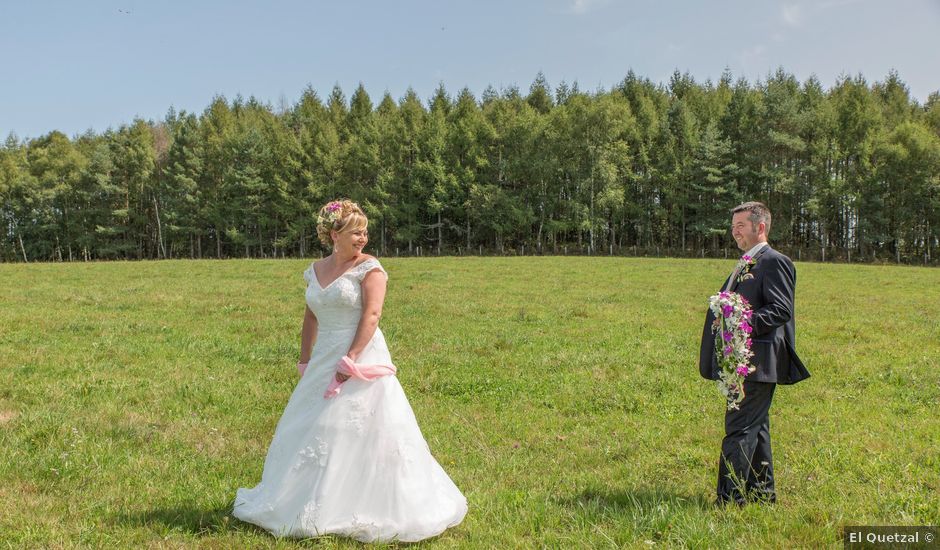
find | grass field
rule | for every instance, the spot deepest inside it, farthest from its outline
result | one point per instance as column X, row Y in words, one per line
column 562, row 395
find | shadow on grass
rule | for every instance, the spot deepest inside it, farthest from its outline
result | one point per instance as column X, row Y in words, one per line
column 603, row 501
column 209, row 521
column 188, row 518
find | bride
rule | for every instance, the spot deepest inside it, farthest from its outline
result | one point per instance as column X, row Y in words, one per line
column 347, row 456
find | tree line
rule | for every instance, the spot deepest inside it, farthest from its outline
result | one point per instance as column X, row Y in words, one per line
column 849, row 172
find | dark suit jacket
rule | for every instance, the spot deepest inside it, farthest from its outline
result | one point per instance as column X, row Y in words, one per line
column 773, row 341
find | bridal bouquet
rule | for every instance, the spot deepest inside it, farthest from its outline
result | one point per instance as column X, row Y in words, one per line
column 732, row 330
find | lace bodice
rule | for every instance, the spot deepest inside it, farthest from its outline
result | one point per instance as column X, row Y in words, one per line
column 338, row 305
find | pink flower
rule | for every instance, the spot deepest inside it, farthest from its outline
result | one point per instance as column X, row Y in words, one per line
column 728, row 350
column 747, row 314
column 333, row 206
column 727, row 336
column 743, row 370
column 746, row 258
column 727, row 310
column 748, row 342
column 723, row 294
column 746, row 327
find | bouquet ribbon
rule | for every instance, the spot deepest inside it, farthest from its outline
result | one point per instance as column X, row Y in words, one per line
column 359, row 371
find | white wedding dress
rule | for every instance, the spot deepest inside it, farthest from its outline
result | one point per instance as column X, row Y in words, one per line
column 354, row 465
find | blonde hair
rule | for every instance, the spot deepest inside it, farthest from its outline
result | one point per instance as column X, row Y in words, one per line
column 340, row 216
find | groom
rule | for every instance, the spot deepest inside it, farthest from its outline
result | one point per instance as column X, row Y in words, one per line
column 768, row 282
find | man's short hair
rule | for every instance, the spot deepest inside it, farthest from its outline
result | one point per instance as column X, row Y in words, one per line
column 758, row 213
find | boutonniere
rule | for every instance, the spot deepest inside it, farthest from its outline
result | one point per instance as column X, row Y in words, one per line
column 744, row 268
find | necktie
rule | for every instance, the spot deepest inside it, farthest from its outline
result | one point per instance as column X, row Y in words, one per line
column 734, row 275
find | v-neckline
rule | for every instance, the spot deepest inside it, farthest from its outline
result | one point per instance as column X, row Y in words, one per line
column 341, row 275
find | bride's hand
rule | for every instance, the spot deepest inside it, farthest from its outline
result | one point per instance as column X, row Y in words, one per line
column 344, row 377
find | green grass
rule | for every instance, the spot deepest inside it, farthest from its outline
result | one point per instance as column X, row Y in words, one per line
column 562, row 395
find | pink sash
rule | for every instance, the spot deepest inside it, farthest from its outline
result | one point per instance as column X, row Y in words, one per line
column 356, row 370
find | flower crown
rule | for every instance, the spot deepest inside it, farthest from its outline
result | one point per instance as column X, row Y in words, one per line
column 333, row 212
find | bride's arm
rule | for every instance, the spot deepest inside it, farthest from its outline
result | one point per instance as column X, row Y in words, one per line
column 308, row 334
column 373, row 297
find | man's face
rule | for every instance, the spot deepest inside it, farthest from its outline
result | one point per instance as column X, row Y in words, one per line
column 745, row 233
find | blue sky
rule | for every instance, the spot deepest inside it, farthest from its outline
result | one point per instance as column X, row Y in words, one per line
column 74, row 66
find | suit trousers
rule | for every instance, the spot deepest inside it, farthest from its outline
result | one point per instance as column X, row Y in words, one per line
column 746, row 469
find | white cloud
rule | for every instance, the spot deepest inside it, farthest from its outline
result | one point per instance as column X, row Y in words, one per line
column 837, row 3
column 751, row 55
column 581, row 7
column 792, row 14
